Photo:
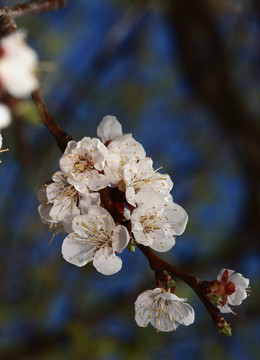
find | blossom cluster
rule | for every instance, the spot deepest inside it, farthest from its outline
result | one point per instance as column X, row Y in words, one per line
column 140, row 210
column 71, row 202
column 18, row 64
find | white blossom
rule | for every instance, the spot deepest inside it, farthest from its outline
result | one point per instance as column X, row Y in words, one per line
column 109, row 128
column 235, row 287
column 17, row 65
column 44, row 209
column 83, row 161
column 5, row 116
column 61, row 200
column 155, row 221
column 163, row 310
column 96, row 238
column 140, row 175
column 121, row 150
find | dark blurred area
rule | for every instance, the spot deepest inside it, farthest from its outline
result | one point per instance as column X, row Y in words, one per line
column 184, row 78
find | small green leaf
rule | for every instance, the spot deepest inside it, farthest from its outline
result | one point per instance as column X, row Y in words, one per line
column 226, row 329
column 216, row 299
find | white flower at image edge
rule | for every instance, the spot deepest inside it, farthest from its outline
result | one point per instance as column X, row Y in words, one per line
column 241, row 284
column 18, row 64
column 96, row 238
column 5, row 116
column 156, row 221
column 163, row 310
column 83, row 162
column 109, row 128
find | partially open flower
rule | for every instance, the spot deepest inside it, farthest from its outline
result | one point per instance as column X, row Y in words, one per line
column 163, row 310
column 155, row 221
column 232, row 287
column 96, row 238
column 17, row 65
column 109, row 128
column 83, row 161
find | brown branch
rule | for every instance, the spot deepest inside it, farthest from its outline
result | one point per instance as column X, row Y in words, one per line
column 7, row 15
column 36, row 7
column 60, row 135
column 7, row 26
column 159, row 266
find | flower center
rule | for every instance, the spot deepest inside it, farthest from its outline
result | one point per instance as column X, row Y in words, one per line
column 83, row 164
column 96, row 232
column 230, row 288
column 139, row 184
column 149, row 223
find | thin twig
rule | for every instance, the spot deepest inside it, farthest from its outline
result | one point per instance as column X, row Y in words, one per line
column 60, row 135
column 36, row 7
column 159, row 265
column 7, row 15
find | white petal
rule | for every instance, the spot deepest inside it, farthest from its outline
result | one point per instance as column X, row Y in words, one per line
column 109, row 128
column 102, row 216
column 121, row 150
column 64, row 210
column 1, row 141
column 150, row 199
column 239, row 280
column 5, row 117
column 162, row 242
column 79, row 228
column 237, row 297
column 79, row 186
column 44, row 212
column 76, row 251
column 225, row 309
column 18, row 64
column 177, row 217
column 130, row 195
column 67, row 227
column 142, row 315
column 41, row 194
column 220, row 274
column 96, row 181
column 85, row 202
column 106, row 262
column 120, row 238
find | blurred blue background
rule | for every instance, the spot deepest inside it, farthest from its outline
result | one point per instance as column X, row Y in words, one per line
column 184, row 78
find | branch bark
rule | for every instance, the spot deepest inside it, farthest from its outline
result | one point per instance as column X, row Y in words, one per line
column 7, row 15
column 62, row 138
column 159, row 265
column 36, row 7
